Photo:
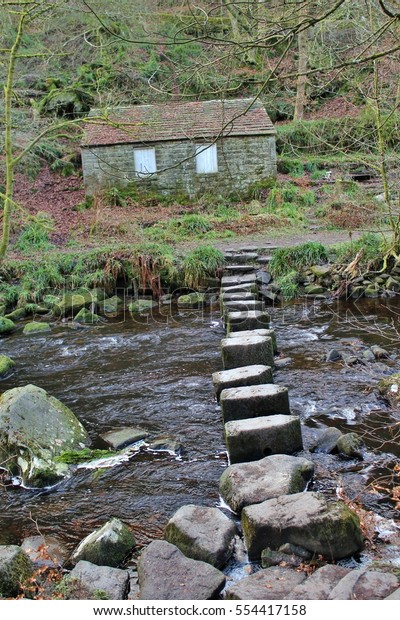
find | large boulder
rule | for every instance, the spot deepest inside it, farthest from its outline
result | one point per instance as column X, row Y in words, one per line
column 35, row 429
column 166, row 574
column 107, row 546
column 244, row 484
column 202, row 533
column 15, row 568
column 102, row 582
column 327, row 528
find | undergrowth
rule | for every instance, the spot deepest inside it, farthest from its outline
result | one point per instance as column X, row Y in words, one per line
column 286, row 260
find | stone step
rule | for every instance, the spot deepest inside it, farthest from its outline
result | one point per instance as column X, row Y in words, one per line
column 255, row 438
column 264, row 260
column 270, row 333
column 251, row 401
column 227, row 281
column 244, row 287
column 238, row 269
column 243, row 258
column 247, row 351
column 237, row 377
column 245, row 484
column 238, row 296
column 247, row 320
column 242, row 305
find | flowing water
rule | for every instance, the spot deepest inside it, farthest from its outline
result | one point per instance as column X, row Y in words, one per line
column 155, row 373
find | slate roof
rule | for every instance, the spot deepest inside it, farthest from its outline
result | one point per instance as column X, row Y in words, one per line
column 195, row 120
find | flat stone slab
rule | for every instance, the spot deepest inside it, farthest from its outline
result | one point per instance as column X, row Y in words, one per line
column 243, row 305
column 255, row 438
column 374, row 585
column 238, row 269
column 236, row 377
column 270, row 333
column 319, row 585
column 245, row 257
column 241, row 287
column 247, row 351
column 238, row 296
column 274, row 583
column 238, row 279
column 250, row 401
column 248, row 319
column 306, row 519
column 202, row 533
column 122, row 437
column 245, row 484
column 113, row 582
column 166, row 574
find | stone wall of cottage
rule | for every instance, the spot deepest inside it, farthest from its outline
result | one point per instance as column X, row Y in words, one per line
column 242, row 160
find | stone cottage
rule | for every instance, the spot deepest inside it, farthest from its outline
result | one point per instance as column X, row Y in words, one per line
column 194, row 147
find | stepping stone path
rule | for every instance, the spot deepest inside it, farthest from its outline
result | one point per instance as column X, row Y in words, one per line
column 265, row 483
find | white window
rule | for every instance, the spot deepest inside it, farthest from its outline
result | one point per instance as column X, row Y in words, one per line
column 206, row 158
column 145, row 162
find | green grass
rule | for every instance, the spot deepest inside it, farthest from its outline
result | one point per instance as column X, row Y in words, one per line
column 289, row 285
column 286, row 260
column 202, row 263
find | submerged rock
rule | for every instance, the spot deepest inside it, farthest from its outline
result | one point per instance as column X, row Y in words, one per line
column 35, row 428
column 6, row 365
column 351, row 445
column 327, row 441
column 15, row 568
column 107, row 546
column 166, row 574
column 123, row 437
column 45, row 551
column 202, row 533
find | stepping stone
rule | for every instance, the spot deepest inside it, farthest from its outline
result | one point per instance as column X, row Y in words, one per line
column 245, row 257
column 238, row 269
column 226, row 297
column 319, row 585
column 251, row 401
column 202, row 533
column 249, row 287
column 252, row 483
column 113, row 582
column 228, row 281
column 253, row 439
column 122, row 437
column 273, row 584
column 166, row 574
column 236, row 377
column 251, row 319
column 237, row 352
column 306, row 519
column 243, row 305
column 270, row 333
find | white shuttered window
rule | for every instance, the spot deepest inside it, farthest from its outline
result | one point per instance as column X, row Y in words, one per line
column 206, row 158
column 145, row 161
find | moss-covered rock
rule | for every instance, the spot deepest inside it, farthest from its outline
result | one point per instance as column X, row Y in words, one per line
column 36, row 327
column 87, row 317
column 34, row 429
column 6, row 364
column 389, row 388
column 351, row 445
column 73, row 301
column 141, row 305
column 15, row 568
column 192, row 300
column 112, row 305
column 16, row 315
column 6, row 325
column 106, row 546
